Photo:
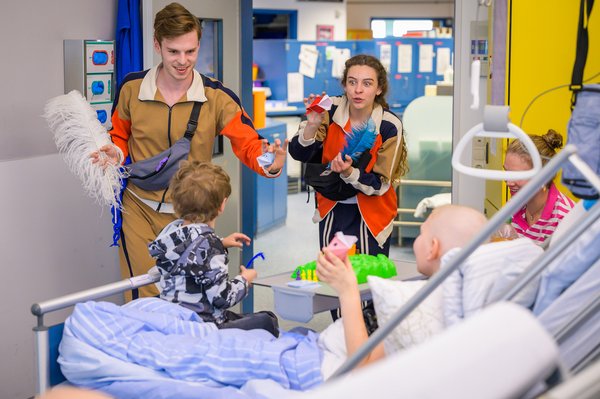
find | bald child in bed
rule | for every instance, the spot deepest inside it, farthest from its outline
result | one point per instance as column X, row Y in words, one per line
column 485, row 275
column 448, row 227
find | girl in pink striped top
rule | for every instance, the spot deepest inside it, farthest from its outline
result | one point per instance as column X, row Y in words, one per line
column 538, row 218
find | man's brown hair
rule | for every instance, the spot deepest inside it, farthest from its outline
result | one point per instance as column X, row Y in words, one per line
column 198, row 190
column 173, row 21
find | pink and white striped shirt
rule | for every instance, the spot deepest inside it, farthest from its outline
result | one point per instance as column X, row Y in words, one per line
column 557, row 206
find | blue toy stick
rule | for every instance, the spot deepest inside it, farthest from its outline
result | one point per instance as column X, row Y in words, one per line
column 249, row 264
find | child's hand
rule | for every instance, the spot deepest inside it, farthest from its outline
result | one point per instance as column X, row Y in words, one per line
column 248, row 274
column 337, row 273
column 236, row 240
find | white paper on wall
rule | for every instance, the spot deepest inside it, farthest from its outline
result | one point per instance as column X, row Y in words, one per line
column 405, row 58
column 426, row 58
column 308, row 56
column 295, row 87
column 340, row 56
column 443, row 60
column 385, row 56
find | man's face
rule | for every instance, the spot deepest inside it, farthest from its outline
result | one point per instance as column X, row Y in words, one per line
column 179, row 55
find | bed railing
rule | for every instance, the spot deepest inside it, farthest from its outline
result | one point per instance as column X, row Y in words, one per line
column 585, row 385
column 41, row 331
column 578, row 320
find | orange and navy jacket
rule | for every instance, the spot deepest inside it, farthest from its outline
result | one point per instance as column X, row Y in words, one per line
column 376, row 197
column 143, row 124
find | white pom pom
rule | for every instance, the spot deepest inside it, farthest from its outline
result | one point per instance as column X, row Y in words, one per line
column 77, row 133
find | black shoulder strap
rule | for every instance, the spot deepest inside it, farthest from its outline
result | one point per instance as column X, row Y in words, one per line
column 193, row 121
column 582, row 49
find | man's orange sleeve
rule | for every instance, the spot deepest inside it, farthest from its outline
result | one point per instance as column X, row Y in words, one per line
column 120, row 132
column 245, row 141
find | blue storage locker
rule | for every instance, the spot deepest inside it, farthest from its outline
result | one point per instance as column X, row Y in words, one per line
column 323, row 81
column 271, row 194
column 429, row 78
column 278, row 57
column 402, row 84
column 270, row 56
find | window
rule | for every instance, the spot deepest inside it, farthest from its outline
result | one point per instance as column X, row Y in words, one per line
column 399, row 27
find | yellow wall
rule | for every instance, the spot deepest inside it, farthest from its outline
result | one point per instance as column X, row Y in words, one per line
column 540, row 56
column 542, row 52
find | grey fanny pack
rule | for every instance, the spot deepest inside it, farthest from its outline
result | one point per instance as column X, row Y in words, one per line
column 155, row 173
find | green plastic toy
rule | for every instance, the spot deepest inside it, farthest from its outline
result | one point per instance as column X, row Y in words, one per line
column 363, row 265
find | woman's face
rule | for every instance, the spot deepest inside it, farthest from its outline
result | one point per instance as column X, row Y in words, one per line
column 361, row 87
column 514, row 163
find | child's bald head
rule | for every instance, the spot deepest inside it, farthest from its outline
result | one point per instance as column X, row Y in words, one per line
column 448, row 227
column 456, row 225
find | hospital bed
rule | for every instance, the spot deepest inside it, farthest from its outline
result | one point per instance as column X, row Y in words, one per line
column 380, row 375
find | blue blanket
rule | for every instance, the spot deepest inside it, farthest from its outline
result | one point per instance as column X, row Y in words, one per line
column 155, row 349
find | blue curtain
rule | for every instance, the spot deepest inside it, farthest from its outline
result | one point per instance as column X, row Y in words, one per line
column 128, row 49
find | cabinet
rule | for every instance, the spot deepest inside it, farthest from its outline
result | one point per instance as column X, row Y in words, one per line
column 271, row 194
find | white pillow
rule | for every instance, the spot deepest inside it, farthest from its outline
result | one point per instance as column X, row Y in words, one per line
column 486, row 274
column 421, row 324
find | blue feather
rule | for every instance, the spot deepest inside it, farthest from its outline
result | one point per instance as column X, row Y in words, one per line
column 361, row 139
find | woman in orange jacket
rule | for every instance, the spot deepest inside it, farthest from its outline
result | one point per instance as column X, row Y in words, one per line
column 360, row 196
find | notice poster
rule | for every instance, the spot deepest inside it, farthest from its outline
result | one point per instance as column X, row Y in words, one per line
column 308, row 56
column 426, row 58
column 324, row 32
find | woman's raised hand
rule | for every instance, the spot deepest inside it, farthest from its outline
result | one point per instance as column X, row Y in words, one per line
column 313, row 118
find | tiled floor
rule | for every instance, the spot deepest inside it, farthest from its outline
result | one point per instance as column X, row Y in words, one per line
column 294, row 244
